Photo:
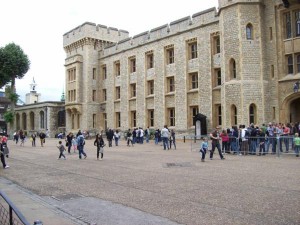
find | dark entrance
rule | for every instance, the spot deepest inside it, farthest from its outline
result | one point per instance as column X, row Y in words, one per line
column 200, row 124
column 295, row 110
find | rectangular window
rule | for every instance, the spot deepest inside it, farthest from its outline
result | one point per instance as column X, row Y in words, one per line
column 271, row 33
column 94, row 97
column 94, row 73
column 149, row 60
column 132, row 65
column 105, row 120
column 193, row 80
column 217, row 78
column 216, row 45
column 192, row 49
column 170, row 84
column 151, row 118
column 297, row 23
column 133, row 90
column 298, row 63
column 274, row 113
column 117, row 68
column 94, row 120
column 133, row 118
column 118, row 119
column 170, row 55
column 290, row 64
column 118, row 93
column 150, row 87
column 288, row 25
column 104, row 72
column 171, row 115
column 104, row 97
column 219, row 115
column 194, row 110
column 272, row 71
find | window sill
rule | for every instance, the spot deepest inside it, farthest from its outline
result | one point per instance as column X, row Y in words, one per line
column 150, row 96
column 170, row 93
column 133, row 98
column 193, row 91
column 117, row 100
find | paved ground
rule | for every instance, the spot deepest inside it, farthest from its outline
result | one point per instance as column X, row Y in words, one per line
column 144, row 185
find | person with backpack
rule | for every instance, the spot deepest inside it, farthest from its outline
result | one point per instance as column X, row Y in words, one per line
column 80, row 145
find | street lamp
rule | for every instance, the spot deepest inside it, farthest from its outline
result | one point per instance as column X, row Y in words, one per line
column 296, row 86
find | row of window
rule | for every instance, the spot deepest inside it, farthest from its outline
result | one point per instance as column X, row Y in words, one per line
column 292, row 24
column 170, row 116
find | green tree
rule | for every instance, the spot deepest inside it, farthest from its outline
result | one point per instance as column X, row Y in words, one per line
column 14, row 64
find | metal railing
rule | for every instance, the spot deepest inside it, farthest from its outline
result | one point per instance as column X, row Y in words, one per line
column 280, row 145
column 9, row 214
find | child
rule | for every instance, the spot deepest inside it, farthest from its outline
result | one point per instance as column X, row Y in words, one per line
column 203, row 149
column 74, row 144
column 297, row 144
column 61, row 148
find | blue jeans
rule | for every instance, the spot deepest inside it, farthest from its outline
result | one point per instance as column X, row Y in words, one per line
column 81, row 151
column 156, row 140
column 147, row 138
column 116, row 141
column 166, row 142
column 297, row 149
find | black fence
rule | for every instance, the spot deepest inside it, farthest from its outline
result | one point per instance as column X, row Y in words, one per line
column 9, row 214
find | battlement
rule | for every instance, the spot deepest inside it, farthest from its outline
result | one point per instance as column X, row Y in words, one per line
column 226, row 3
column 199, row 19
column 91, row 30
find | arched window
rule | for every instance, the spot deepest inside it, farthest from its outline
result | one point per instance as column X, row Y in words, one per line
column 61, row 118
column 252, row 114
column 233, row 115
column 232, row 66
column 24, row 121
column 42, row 119
column 249, row 32
column 31, row 117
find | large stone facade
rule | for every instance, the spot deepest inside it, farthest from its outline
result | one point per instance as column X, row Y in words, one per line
column 232, row 65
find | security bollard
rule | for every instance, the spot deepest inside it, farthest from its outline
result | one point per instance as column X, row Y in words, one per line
column 38, row 222
column 183, row 139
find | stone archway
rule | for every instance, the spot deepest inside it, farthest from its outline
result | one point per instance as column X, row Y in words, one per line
column 290, row 109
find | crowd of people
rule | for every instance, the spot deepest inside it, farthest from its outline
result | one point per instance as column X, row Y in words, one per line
column 242, row 140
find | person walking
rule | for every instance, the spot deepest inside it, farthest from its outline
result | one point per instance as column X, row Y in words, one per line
column 172, row 139
column 129, row 138
column 117, row 137
column 69, row 139
column 61, row 149
column 215, row 137
column 297, row 144
column 204, row 148
column 33, row 137
column 80, row 145
column 165, row 137
column 99, row 142
column 74, row 143
column 42, row 138
column 2, row 154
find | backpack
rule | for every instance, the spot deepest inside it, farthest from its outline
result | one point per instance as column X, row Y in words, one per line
column 81, row 141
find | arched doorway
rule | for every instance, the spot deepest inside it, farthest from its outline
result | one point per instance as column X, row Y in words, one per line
column 290, row 109
column 295, row 110
column 31, row 116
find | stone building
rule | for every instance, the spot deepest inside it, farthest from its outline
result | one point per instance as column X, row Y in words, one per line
column 234, row 65
column 37, row 116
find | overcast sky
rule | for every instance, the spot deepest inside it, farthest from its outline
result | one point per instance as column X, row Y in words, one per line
column 38, row 28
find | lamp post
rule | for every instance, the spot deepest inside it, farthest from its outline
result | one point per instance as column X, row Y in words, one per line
column 296, row 86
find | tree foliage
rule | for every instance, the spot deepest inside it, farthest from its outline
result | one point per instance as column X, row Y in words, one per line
column 14, row 63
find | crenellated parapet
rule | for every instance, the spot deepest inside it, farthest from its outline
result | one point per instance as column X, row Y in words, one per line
column 90, row 32
column 200, row 19
column 226, row 3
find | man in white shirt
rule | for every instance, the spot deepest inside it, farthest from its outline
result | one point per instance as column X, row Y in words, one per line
column 165, row 137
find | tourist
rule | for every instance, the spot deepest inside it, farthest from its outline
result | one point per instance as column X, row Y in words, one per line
column 61, row 149
column 203, row 149
column 215, row 137
column 99, row 142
